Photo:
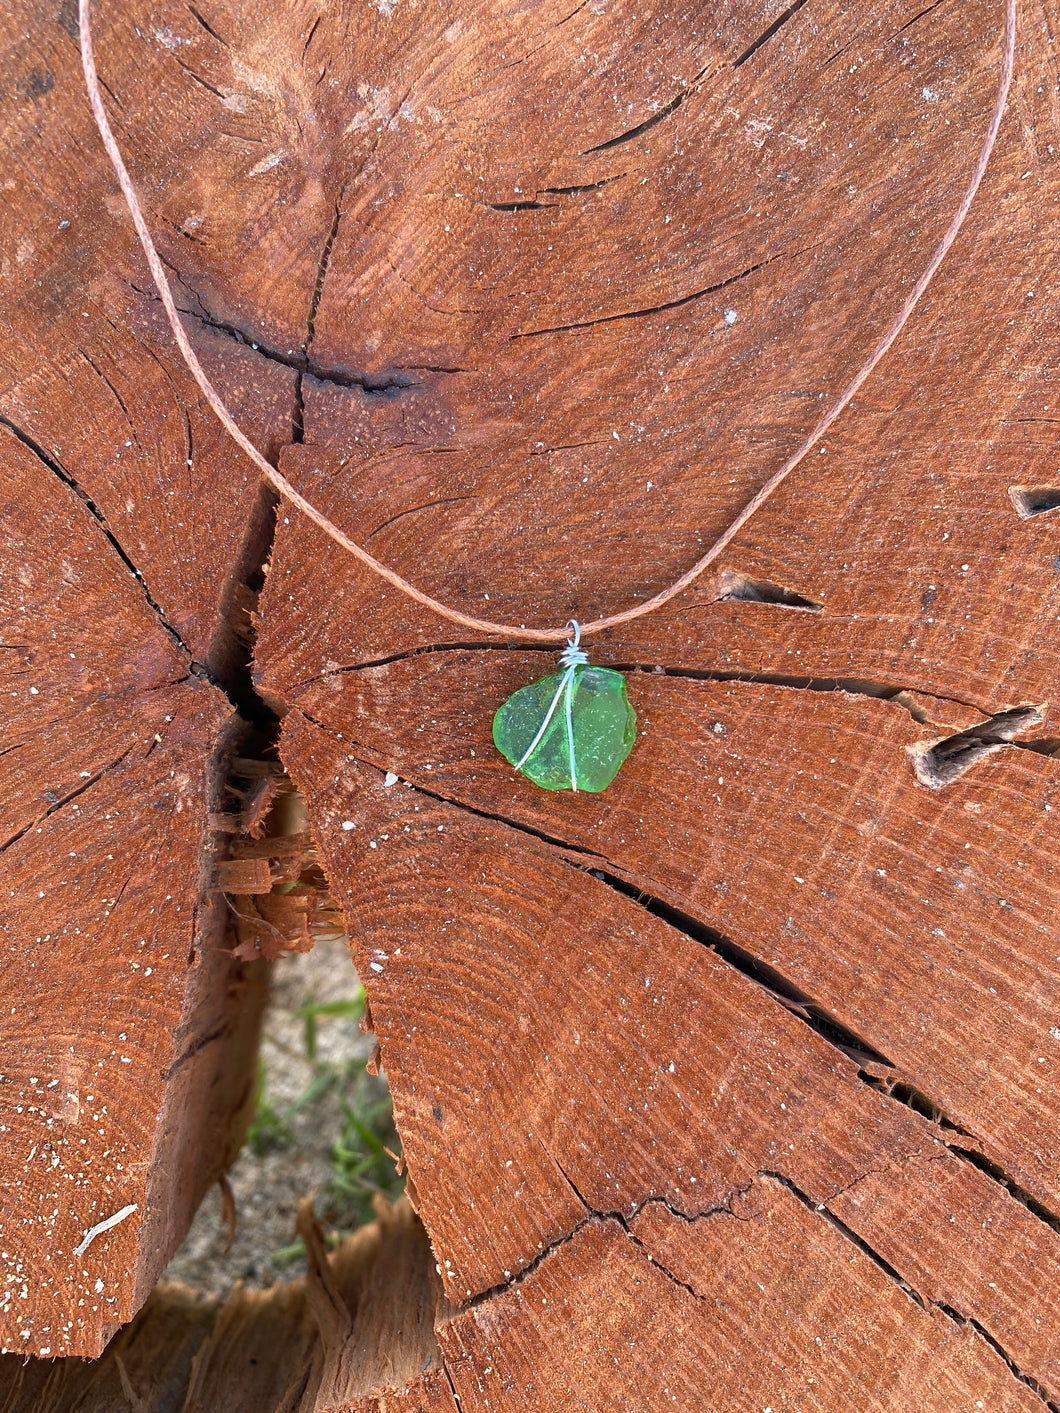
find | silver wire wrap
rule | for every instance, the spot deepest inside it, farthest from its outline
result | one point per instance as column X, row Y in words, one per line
column 571, row 658
column 572, row 655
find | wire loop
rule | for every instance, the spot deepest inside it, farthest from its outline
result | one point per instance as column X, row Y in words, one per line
column 573, row 655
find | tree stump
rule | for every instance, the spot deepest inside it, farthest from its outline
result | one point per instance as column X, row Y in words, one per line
column 734, row 1087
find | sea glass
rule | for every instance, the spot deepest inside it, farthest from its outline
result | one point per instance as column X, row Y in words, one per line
column 600, row 731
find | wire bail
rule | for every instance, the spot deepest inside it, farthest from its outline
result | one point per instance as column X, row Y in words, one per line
column 572, row 655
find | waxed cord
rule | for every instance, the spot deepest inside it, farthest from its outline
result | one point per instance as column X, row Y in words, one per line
column 517, row 631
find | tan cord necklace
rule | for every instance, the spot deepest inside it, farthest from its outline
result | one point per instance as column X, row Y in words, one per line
column 574, row 676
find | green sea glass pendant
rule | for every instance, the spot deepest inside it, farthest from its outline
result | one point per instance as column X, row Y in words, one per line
column 571, row 730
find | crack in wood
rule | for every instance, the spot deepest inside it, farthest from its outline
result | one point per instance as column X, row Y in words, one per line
column 896, row 1087
column 794, row 1000
column 821, row 1209
column 811, row 682
column 387, row 384
column 941, row 762
column 658, row 1265
column 198, row 78
column 414, row 510
column 838, row 53
column 66, row 799
column 559, row 844
column 913, row 1097
column 916, row 18
column 657, row 308
column 206, row 26
column 624, row 1220
column 1012, row 1188
column 298, row 419
column 734, row 587
column 230, row 654
column 767, row 34
column 1031, row 1382
column 578, row 190
column 656, row 118
column 520, row 205
column 117, row 395
column 60, row 472
column 981, row 743
column 449, row 1380
column 594, row 1217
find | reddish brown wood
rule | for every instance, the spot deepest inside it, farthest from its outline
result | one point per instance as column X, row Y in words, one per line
column 243, row 875
column 128, row 1031
column 118, row 1021
column 497, row 1022
column 690, row 1311
column 736, row 1083
column 378, row 1297
column 820, row 854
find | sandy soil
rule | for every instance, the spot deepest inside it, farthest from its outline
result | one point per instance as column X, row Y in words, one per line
column 268, row 1188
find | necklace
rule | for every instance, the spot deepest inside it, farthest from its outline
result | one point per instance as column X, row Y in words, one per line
column 573, row 729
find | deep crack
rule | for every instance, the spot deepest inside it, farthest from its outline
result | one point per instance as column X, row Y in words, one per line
column 809, row 682
column 997, row 1174
column 854, row 686
column 631, row 134
column 384, row 384
column 795, row 1001
column 1002, row 1353
column 821, row 1210
column 767, row 34
column 229, row 658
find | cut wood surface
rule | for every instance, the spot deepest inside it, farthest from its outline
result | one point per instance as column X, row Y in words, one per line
column 364, row 1316
column 735, row 1087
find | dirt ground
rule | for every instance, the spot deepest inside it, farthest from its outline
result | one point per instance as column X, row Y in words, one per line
column 275, row 1170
